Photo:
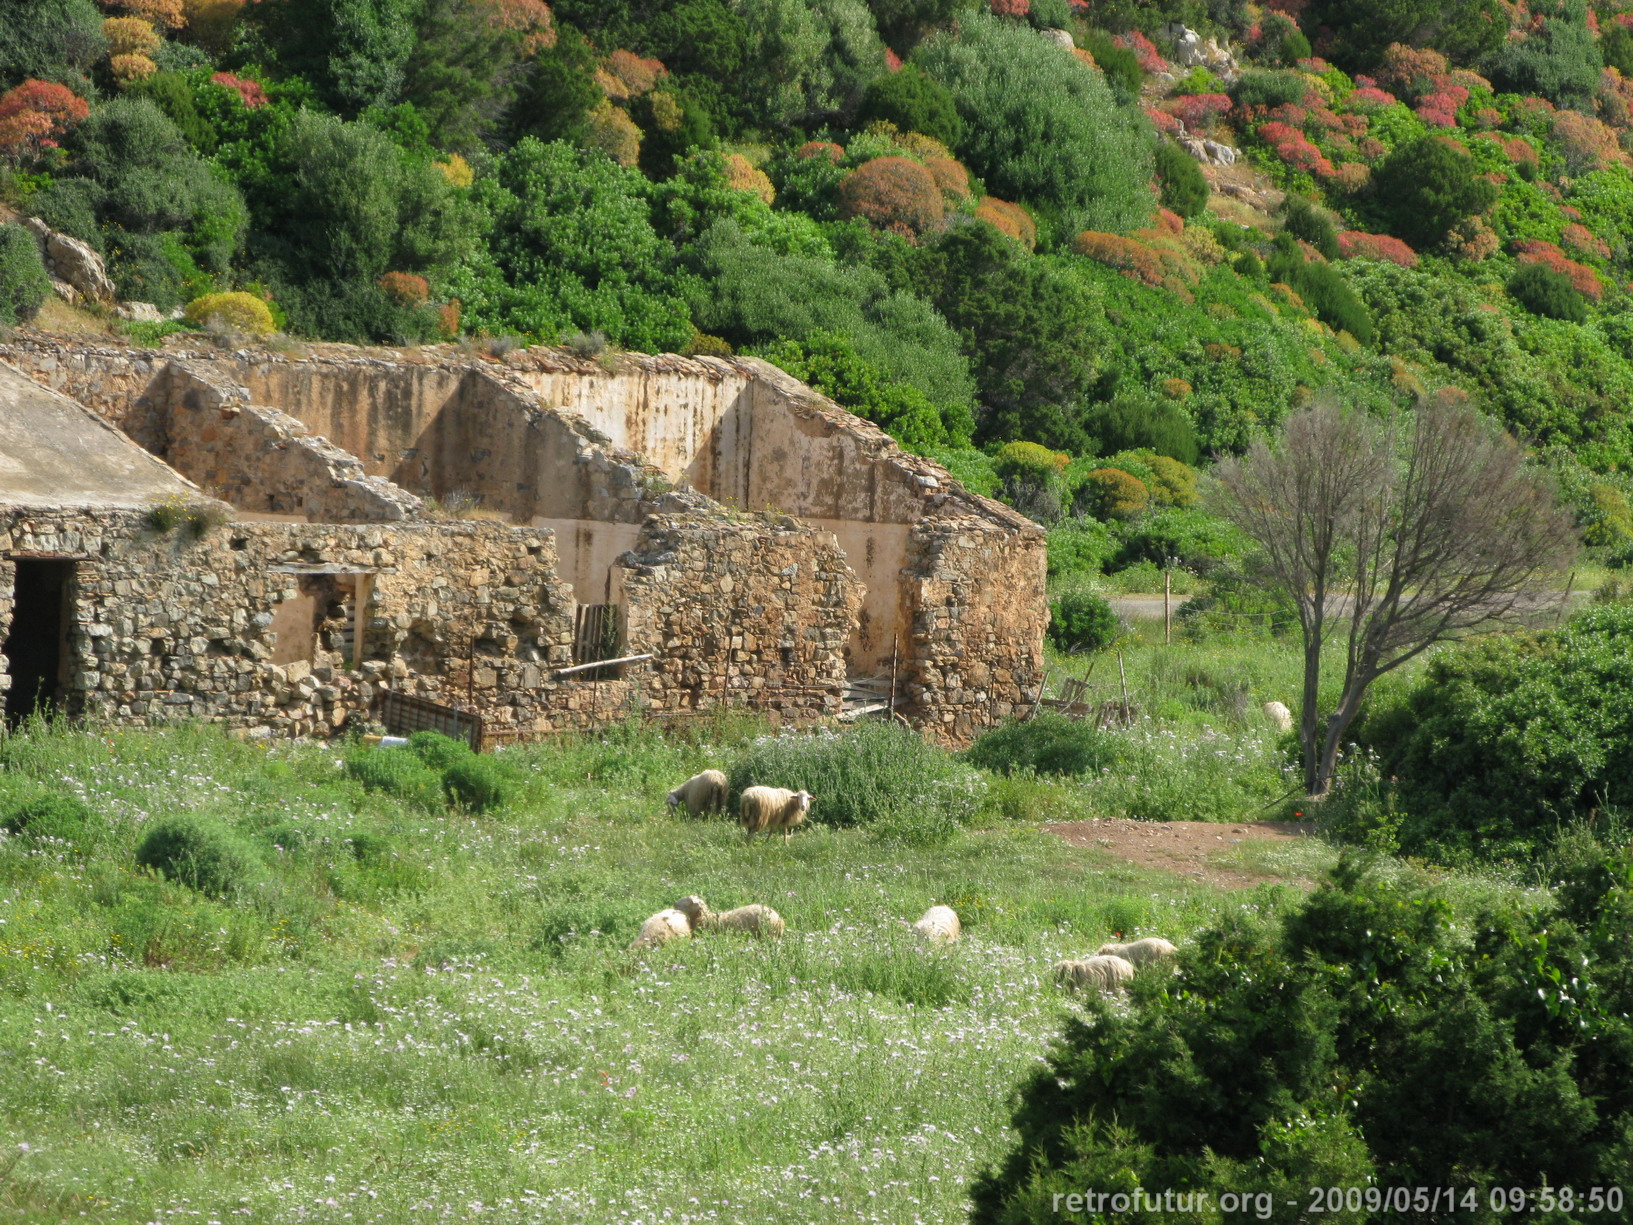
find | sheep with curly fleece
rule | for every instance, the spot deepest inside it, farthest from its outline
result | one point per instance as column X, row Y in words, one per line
column 705, row 792
column 754, row 919
column 1280, row 717
column 1106, row 974
column 676, row 923
column 1139, row 952
column 939, row 925
column 773, row 808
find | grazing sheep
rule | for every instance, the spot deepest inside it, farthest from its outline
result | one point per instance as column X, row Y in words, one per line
column 1139, row 952
column 705, row 792
column 675, row 923
column 1106, row 974
column 939, row 925
column 1280, row 717
column 772, row 808
column 755, row 919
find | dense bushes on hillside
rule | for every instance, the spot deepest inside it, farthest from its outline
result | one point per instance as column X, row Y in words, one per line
column 1299, row 1053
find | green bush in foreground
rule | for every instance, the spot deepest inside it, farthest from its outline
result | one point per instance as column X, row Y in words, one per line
column 202, row 853
column 1082, row 621
column 1047, row 744
column 878, row 775
column 24, row 284
column 397, row 772
column 475, row 783
column 48, row 816
column 1365, row 1040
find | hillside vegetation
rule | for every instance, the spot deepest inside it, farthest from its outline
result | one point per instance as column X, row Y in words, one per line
column 936, row 211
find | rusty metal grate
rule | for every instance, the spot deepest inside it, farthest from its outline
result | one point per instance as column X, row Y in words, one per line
column 404, row 714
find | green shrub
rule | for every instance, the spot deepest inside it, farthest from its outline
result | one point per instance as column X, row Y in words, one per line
column 1508, row 740
column 439, row 751
column 1326, row 293
column 1547, row 292
column 1268, row 89
column 1039, row 128
column 1184, row 189
column 1198, row 540
column 914, row 102
column 877, row 775
column 1427, row 186
column 1244, row 1071
column 1303, row 220
column 1049, row 743
column 1082, row 621
column 368, row 847
column 1080, row 546
column 1143, row 422
column 1120, row 66
column 1111, row 493
column 476, row 783
column 24, row 285
column 202, row 853
column 396, row 772
column 61, row 817
column 242, row 312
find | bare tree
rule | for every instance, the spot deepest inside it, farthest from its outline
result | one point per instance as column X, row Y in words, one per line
column 1394, row 535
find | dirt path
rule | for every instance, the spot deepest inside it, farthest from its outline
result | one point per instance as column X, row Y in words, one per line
column 1199, row 850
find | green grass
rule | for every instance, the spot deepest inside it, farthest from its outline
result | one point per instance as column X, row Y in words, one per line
column 454, row 1017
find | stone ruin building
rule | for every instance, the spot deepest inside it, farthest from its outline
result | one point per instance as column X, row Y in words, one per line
column 290, row 540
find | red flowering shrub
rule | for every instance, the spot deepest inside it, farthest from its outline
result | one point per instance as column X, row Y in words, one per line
column 248, row 91
column 1411, row 71
column 1009, row 219
column 1370, row 98
column 1354, row 244
column 1536, row 251
column 34, row 113
column 1197, row 110
column 1438, row 110
column 1583, row 240
column 1294, row 150
column 745, row 176
column 893, row 62
column 821, row 148
column 1351, row 177
column 626, row 75
column 1162, row 120
column 1150, row 59
column 892, row 193
column 1370, row 148
column 406, row 288
column 1520, row 150
column 1290, row 113
column 1011, row 8
column 1170, row 222
column 448, row 318
column 1487, row 117
column 1131, row 258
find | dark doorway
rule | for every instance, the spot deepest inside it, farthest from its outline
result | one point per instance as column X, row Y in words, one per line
column 36, row 649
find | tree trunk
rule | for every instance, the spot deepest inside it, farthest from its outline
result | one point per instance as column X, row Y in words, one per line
column 1348, row 707
column 1308, row 716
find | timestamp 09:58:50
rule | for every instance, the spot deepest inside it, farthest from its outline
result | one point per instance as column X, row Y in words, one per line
column 1408, row 1201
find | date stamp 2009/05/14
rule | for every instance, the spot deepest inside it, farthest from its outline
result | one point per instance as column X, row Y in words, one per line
column 1404, row 1202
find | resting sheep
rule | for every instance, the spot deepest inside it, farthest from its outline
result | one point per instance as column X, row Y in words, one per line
column 1106, row 974
column 939, row 925
column 675, row 923
column 705, row 792
column 772, row 808
column 754, row 919
column 1139, row 952
column 1280, row 717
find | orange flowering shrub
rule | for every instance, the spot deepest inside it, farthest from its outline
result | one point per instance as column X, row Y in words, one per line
column 249, row 92
column 1584, row 241
column 1131, row 258
column 1354, row 244
column 1176, row 388
column 531, row 19
column 744, row 176
column 169, row 13
column 406, row 288
column 950, row 177
column 1009, row 219
column 894, row 193
column 34, row 113
column 626, row 75
column 448, row 318
column 821, row 148
column 1115, row 494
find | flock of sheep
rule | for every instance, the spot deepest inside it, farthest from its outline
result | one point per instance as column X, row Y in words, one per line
column 772, row 808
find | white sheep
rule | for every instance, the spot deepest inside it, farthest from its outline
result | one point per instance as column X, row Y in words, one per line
column 1107, row 974
column 1139, row 952
column 772, row 808
column 675, row 923
column 939, row 925
column 1280, row 717
column 754, row 919
column 705, row 792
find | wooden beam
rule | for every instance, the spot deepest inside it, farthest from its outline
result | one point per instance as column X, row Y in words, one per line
column 602, row 663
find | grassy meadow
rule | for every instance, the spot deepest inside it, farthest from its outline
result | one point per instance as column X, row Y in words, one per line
column 410, row 1010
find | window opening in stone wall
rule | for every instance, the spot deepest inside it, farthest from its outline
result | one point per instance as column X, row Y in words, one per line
column 598, row 633
column 36, row 648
